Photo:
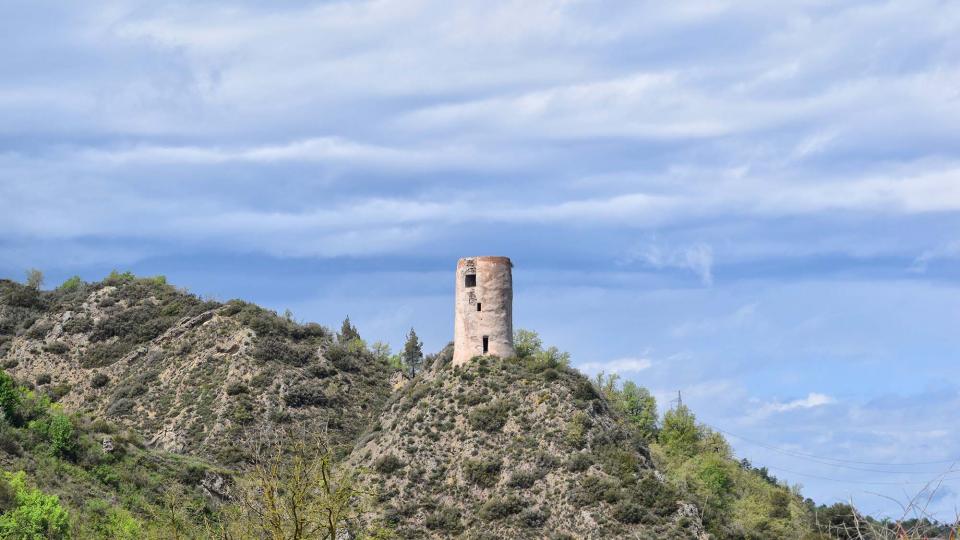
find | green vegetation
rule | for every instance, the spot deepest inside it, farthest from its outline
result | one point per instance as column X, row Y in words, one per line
column 519, row 447
column 413, row 353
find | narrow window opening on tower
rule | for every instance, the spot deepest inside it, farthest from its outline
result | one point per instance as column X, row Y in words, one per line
column 470, row 280
column 478, row 306
column 486, row 344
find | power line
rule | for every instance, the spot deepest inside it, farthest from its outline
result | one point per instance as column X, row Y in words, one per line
column 827, row 460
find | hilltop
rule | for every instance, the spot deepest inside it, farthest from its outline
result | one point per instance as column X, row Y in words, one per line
column 190, row 376
column 510, row 449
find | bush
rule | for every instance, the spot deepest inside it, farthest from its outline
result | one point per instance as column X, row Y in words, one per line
column 579, row 462
column 534, row 517
column 71, row 284
column 59, row 432
column 305, row 396
column 482, row 472
column 236, row 388
column 491, row 417
column 629, row 512
column 35, row 516
column 388, row 464
column 43, row 378
column 10, row 397
column 499, row 508
column 78, row 324
column 57, row 347
column 523, row 479
column 346, row 356
column 39, row 330
column 104, row 354
column 99, row 380
column 277, row 349
column 120, row 407
column 445, row 519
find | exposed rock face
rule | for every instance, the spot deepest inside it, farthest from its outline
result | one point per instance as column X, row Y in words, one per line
column 483, row 319
column 190, row 376
column 498, row 449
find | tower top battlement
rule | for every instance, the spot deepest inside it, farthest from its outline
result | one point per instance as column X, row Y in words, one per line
column 483, row 317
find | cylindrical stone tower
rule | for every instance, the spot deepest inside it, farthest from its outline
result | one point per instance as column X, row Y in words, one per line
column 483, row 321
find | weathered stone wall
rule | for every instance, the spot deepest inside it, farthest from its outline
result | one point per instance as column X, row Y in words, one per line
column 493, row 292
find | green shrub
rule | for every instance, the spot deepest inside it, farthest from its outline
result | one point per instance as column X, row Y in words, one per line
column 58, row 430
column 56, row 347
column 501, row 507
column 491, row 417
column 388, row 464
column 237, row 388
column 278, row 349
column 104, row 354
column 576, row 434
column 71, row 284
column 534, row 518
column 39, row 330
column 99, row 380
column 43, row 378
column 579, row 462
column 523, row 479
column 36, row 516
column 120, row 407
column 306, row 396
column 78, row 324
column 629, row 512
column 10, row 396
column 482, row 472
column 445, row 519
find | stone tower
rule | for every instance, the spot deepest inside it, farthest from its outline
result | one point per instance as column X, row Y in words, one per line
column 483, row 321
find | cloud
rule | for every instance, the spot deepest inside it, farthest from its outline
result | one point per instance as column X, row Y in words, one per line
column 812, row 401
column 620, row 365
column 697, row 258
column 943, row 252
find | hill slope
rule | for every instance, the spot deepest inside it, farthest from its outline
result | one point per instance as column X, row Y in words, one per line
column 190, row 376
column 510, row 449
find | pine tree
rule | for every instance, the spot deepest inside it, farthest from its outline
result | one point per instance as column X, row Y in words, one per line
column 413, row 353
column 348, row 332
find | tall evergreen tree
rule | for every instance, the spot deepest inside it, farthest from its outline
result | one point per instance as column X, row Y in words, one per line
column 413, row 353
column 348, row 332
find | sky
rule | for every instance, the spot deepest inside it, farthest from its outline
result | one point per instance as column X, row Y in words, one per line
column 755, row 204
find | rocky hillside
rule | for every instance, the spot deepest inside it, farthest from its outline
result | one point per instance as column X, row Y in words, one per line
column 515, row 449
column 190, row 376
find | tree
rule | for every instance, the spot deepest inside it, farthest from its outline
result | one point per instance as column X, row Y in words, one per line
column 526, row 343
column 640, row 407
column 680, row 434
column 34, row 279
column 9, row 397
column 71, row 284
column 413, row 353
column 348, row 332
column 296, row 492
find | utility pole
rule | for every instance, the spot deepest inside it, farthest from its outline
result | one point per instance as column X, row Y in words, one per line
column 678, row 401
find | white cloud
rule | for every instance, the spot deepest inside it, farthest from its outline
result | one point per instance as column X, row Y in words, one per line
column 812, row 401
column 947, row 251
column 620, row 366
column 697, row 258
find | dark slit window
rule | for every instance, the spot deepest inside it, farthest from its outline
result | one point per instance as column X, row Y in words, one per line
column 478, row 306
column 486, row 344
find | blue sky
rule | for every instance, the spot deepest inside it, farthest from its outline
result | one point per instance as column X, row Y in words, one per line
column 754, row 203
